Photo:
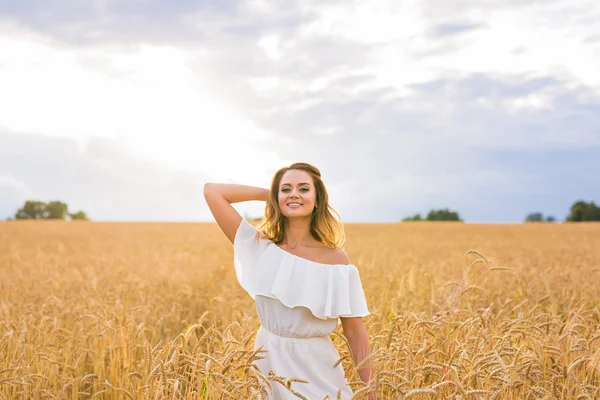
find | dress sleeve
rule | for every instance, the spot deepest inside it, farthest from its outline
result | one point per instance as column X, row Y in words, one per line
column 356, row 296
column 248, row 247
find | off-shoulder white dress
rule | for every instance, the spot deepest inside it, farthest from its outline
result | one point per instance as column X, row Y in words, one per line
column 299, row 303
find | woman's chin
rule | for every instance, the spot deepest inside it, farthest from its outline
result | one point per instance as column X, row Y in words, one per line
column 293, row 215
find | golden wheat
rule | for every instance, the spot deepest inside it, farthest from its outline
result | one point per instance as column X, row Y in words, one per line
column 153, row 311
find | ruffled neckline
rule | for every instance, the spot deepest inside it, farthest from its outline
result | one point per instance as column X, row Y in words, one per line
column 307, row 260
column 327, row 290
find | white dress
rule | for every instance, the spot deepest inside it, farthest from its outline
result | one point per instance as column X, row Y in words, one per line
column 299, row 303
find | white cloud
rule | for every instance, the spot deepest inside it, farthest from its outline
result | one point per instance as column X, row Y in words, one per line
column 148, row 98
column 270, row 45
column 376, row 93
column 100, row 177
column 533, row 102
column 371, row 22
column 535, row 39
column 9, row 184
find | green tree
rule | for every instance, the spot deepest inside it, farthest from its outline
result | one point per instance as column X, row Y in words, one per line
column 416, row 217
column 79, row 215
column 57, row 210
column 591, row 212
column 442, row 215
column 576, row 214
column 550, row 218
column 582, row 211
column 32, row 209
column 535, row 217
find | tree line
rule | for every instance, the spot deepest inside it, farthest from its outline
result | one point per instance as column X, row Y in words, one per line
column 581, row 211
column 34, row 209
column 436, row 215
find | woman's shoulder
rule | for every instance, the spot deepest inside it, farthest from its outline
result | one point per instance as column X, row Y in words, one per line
column 336, row 256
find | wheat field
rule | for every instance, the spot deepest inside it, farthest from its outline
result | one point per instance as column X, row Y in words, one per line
column 154, row 311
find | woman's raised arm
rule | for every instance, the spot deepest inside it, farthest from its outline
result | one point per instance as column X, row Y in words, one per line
column 220, row 196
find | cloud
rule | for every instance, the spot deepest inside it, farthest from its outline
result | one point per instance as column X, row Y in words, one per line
column 185, row 22
column 449, row 29
column 404, row 106
column 468, row 143
column 100, row 21
column 97, row 176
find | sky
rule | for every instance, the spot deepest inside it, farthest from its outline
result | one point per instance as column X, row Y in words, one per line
column 124, row 109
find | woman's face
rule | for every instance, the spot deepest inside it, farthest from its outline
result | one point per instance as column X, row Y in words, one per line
column 297, row 194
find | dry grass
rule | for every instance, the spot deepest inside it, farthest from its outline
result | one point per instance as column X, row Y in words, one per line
column 149, row 311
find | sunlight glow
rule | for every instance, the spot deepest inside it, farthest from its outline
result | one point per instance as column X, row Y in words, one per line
column 148, row 100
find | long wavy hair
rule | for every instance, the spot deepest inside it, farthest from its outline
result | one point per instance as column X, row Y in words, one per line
column 324, row 227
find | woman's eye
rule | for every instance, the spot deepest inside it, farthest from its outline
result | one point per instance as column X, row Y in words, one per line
column 287, row 190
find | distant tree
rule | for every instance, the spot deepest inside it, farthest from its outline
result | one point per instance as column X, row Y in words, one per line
column 416, row 217
column 79, row 215
column 582, row 211
column 591, row 212
column 576, row 214
column 32, row 210
column 442, row 215
column 550, row 218
column 535, row 217
column 436, row 215
column 57, row 210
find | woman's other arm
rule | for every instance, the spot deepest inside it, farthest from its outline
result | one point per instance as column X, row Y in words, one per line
column 220, row 196
column 358, row 338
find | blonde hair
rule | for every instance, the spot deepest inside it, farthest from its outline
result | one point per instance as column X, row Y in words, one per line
column 323, row 226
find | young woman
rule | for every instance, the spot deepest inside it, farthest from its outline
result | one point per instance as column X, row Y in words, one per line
column 301, row 280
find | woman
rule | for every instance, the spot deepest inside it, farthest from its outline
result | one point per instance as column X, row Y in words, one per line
column 300, row 278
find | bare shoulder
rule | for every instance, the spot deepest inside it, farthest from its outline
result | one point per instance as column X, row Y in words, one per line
column 337, row 256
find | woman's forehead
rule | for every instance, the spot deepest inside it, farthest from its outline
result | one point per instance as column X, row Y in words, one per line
column 296, row 178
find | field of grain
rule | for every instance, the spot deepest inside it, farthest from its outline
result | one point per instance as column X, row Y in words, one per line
column 154, row 311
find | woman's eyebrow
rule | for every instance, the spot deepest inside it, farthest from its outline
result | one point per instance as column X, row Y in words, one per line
column 303, row 183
